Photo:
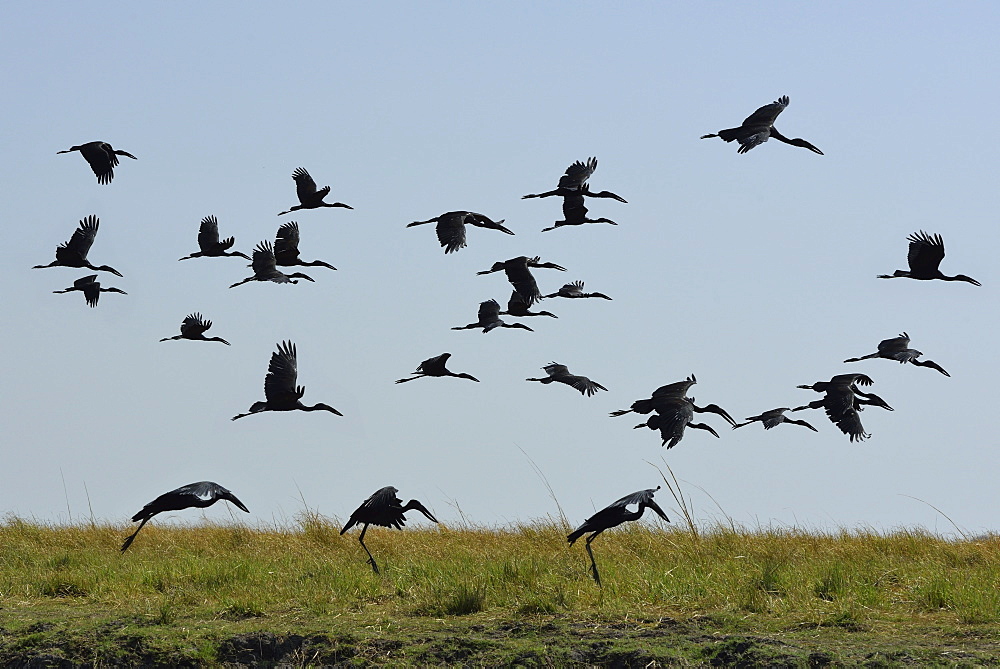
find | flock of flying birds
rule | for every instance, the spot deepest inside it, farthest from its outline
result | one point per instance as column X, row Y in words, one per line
column 670, row 409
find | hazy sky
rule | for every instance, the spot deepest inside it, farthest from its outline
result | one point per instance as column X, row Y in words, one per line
column 755, row 272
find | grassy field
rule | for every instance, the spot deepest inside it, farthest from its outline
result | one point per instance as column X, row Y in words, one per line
column 208, row 594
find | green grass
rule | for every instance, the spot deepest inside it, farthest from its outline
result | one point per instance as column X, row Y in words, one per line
column 212, row 594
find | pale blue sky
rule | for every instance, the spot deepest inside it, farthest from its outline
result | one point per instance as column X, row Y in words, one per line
column 755, row 272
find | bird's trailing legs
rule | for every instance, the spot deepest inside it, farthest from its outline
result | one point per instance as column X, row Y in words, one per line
column 128, row 542
column 593, row 564
column 371, row 558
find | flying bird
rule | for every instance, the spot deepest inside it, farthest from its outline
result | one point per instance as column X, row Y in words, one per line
column 286, row 248
column 842, row 400
column 451, row 227
column 759, row 126
column 673, row 415
column 773, row 418
column 519, row 274
column 664, row 400
column 309, row 197
column 436, row 367
column 560, row 374
column 193, row 495
column 91, row 289
column 193, row 327
column 924, row 255
column 74, row 252
column 516, row 306
column 280, row 391
column 614, row 515
column 574, row 182
column 489, row 319
column 209, row 244
column 102, row 158
column 575, row 290
column 384, row 509
column 264, row 268
column 898, row 349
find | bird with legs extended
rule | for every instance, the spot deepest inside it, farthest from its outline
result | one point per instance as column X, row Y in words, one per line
column 436, row 367
column 451, row 227
column 193, row 495
column 280, row 390
column 265, row 268
column 672, row 416
column 898, row 349
column 489, row 319
column 74, row 252
column 574, row 182
column 516, row 306
column 286, row 248
column 557, row 373
column 759, row 127
column 309, row 196
column 614, row 515
column 924, row 254
column 574, row 290
column 209, row 244
column 91, row 289
column 575, row 210
column 384, row 509
column 773, row 418
column 518, row 271
column 663, row 399
column 193, row 327
column 842, row 401
column 102, row 157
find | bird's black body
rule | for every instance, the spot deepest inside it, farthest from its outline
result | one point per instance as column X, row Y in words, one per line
column 516, row 306
column 560, row 374
column 193, row 327
column 924, row 254
column 384, row 509
column 898, row 349
column 103, row 159
column 309, row 196
column 613, row 515
column 91, row 289
column 74, row 252
column 451, row 227
column 280, row 390
column 286, row 248
column 436, row 367
column 193, row 495
column 842, row 400
column 519, row 274
column 574, row 290
column 759, row 126
column 573, row 188
column 489, row 319
column 209, row 244
column 265, row 268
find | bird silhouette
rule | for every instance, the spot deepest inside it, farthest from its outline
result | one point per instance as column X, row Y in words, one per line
column 209, row 244
column 560, row 374
column 193, row 327
column 384, row 509
column 673, row 415
column 575, row 210
column 102, row 158
column 280, row 391
column 264, row 268
column 309, row 197
column 614, row 515
column 74, row 252
column 516, row 306
column 451, row 227
column 436, row 367
column 286, row 248
column 91, row 289
column 898, row 349
column 759, row 126
column 924, row 255
column 664, row 400
column 489, row 319
column 519, row 274
column 843, row 400
column 773, row 418
column 193, row 495
column 575, row 290
column 574, row 182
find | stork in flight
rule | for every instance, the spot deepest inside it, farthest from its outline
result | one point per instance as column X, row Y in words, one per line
column 74, row 252
column 560, row 374
column 280, row 390
column 759, row 126
column 103, row 159
column 436, row 367
column 924, row 255
column 209, row 244
column 193, row 495
column 898, row 349
column 451, row 227
column 309, row 196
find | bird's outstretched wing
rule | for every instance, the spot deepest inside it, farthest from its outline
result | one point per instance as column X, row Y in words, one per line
column 305, row 187
column 286, row 242
column 577, row 174
column 83, row 237
column 194, row 325
column 925, row 252
column 282, row 373
column 263, row 259
column 766, row 115
column 208, row 232
column 488, row 311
